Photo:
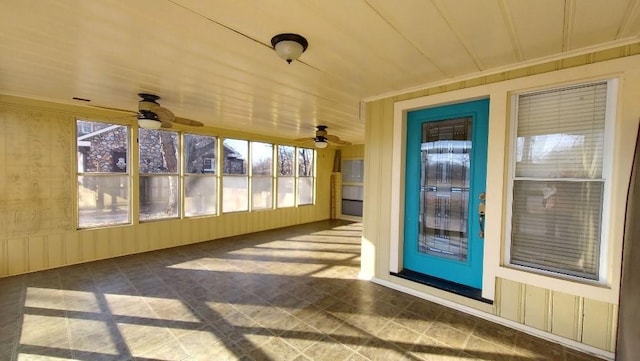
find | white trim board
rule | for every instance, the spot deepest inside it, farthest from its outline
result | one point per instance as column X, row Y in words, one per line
column 499, row 320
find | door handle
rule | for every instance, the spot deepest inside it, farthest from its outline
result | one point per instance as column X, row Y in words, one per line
column 481, row 212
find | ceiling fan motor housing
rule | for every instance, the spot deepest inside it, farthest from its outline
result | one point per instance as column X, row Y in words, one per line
column 322, row 131
column 148, row 102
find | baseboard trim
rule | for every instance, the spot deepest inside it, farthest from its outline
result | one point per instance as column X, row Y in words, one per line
column 606, row 355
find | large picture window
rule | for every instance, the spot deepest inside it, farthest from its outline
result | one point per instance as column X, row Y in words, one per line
column 235, row 178
column 200, row 175
column 286, row 176
column 159, row 188
column 103, row 176
column 558, row 180
column 261, row 175
column 306, row 175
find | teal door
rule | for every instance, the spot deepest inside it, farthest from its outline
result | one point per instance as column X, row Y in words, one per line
column 445, row 184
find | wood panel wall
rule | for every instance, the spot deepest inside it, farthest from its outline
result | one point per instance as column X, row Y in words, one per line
column 580, row 319
column 37, row 197
column 576, row 318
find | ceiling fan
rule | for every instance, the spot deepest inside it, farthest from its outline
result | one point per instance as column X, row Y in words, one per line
column 151, row 115
column 322, row 138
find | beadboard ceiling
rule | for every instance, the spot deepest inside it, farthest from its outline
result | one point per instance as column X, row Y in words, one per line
column 212, row 60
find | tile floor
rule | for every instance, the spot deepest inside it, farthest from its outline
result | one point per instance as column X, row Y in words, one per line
column 289, row 294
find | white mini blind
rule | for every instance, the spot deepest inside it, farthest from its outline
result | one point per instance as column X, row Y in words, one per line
column 561, row 132
column 558, row 184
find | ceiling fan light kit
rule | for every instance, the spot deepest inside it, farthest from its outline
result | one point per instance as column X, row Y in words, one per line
column 322, row 138
column 289, row 46
column 148, row 120
column 320, row 142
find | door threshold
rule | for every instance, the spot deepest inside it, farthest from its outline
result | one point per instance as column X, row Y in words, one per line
column 441, row 284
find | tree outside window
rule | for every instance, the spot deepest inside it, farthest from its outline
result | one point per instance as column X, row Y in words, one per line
column 306, row 178
column 261, row 175
column 159, row 188
column 286, row 176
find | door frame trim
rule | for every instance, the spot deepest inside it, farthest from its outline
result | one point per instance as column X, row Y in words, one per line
column 396, row 229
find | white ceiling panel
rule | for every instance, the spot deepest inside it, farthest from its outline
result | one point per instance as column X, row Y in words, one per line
column 212, row 61
column 424, row 28
column 596, row 22
column 485, row 31
column 539, row 26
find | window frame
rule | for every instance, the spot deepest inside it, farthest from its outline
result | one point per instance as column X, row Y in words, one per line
column 252, row 176
column 178, row 175
column 608, row 145
column 299, row 177
column 207, row 173
column 278, row 177
column 224, row 176
column 127, row 173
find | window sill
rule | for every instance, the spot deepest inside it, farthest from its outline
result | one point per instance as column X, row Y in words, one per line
column 591, row 290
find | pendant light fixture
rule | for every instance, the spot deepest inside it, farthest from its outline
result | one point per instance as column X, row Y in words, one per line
column 289, row 46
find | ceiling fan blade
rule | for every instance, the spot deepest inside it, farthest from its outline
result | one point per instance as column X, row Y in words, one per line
column 336, row 140
column 193, row 123
column 164, row 114
column 340, row 142
column 307, row 139
column 344, row 142
column 165, row 124
column 114, row 109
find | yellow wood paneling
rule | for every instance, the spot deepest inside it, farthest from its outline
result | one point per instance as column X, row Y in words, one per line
column 37, row 203
column 609, row 54
column 372, row 175
column 116, row 241
column 352, row 151
column 55, row 250
column 37, row 253
column 17, row 255
column 597, row 324
column 4, row 258
column 565, row 315
column 161, row 235
column 536, row 307
column 385, row 173
column 88, row 245
column 102, row 243
column 510, row 300
column 575, row 61
column 141, row 237
column 176, row 233
column 154, row 237
column 129, row 239
column 71, row 248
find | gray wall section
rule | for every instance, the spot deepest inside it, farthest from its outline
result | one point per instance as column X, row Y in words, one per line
column 628, row 344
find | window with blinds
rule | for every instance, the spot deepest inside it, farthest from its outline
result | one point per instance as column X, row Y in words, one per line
column 558, row 183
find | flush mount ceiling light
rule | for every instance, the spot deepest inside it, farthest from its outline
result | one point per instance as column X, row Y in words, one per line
column 289, row 46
